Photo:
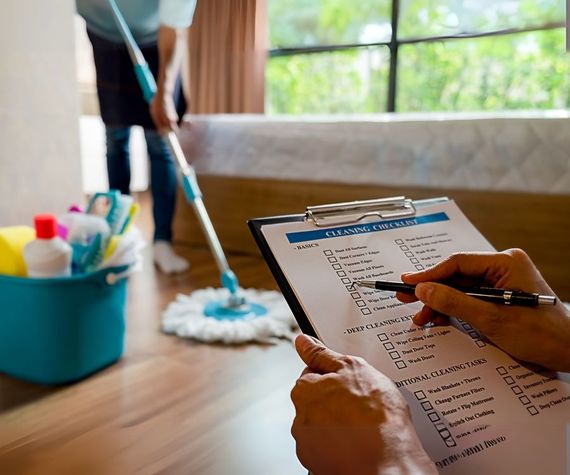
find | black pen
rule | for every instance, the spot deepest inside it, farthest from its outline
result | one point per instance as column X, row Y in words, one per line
column 490, row 294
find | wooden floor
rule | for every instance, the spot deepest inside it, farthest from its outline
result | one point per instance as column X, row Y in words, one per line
column 168, row 406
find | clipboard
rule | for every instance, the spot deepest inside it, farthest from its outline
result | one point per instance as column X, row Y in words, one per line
column 460, row 390
column 328, row 215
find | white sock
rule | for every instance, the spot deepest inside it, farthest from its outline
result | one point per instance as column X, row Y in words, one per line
column 167, row 260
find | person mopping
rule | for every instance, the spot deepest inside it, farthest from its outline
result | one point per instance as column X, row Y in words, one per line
column 230, row 314
column 157, row 27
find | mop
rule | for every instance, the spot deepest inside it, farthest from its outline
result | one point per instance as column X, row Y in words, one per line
column 229, row 314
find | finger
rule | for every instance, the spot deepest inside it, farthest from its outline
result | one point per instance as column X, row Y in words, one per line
column 305, row 371
column 304, row 392
column 441, row 320
column 174, row 126
column 452, row 302
column 406, row 298
column 173, row 121
column 316, row 355
column 467, row 264
column 424, row 316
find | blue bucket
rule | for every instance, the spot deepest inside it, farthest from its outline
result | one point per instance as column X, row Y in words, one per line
column 60, row 330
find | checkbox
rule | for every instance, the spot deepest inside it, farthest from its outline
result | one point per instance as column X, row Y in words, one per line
column 404, row 248
column 509, row 380
column 399, row 241
column 420, row 267
column 450, row 441
column 389, row 345
column 341, row 273
column 440, row 427
column 336, row 266
column 501, row 370
column 466, row 326
column 346, row 281
column 328, row 252
column 355, row 295
column 420, row 395
column 350, row 287
column 401, row 364
column 382, row 336
column 409, row 254
column 433, row 416
column 517, row 389
column 394, row 355
column 480, row 343
column 413, row 260
column 426, row 406
column 360, row 303
column 332, row 259
column 473, row 334
column 525, row 400
column 365, row 311
column 532, row 410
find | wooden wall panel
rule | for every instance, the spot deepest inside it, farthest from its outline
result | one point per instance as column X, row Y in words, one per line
column 540, row 224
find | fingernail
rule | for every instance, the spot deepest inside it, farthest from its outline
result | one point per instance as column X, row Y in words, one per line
column 424, row 291
column 314, row 340
column 304, row 341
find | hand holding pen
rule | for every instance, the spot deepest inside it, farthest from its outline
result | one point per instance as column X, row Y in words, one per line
column 488, row 294
column 538, row 334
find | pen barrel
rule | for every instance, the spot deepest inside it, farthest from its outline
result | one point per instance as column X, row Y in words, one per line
column 507, row 297
column 394, row 287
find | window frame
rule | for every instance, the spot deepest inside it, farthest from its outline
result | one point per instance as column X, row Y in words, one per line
column 394, row 45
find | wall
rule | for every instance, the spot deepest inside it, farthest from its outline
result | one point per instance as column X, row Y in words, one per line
column 40, row 168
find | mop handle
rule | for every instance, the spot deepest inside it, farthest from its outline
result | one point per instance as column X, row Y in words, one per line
column 142, row 71
column 189, row 182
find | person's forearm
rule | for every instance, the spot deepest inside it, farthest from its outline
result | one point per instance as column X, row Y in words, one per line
column 169, row 49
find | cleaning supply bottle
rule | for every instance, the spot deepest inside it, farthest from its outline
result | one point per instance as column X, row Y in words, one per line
column 48, row 255
column 12, row 242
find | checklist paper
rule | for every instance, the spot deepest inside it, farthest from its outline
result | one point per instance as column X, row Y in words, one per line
column 475, row 408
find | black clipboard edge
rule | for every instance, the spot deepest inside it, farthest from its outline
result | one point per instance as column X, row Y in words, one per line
column 255, row 226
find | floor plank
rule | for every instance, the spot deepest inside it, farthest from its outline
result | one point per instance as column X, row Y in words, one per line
column 168, row 406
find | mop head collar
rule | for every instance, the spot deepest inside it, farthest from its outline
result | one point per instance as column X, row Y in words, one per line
column 208, row 315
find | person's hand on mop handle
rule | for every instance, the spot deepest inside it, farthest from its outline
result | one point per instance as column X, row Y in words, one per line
column 162, row 108
column 163, row 112
column 538, row 335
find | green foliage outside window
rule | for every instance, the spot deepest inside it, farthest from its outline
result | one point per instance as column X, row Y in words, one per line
column 520, row 71
column 325, row 22
column 351, row 81
column 514, row 71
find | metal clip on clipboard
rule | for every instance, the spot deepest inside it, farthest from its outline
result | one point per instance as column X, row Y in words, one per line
column 354, row 211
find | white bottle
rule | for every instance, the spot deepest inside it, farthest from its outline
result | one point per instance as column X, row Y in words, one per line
column 48, row 255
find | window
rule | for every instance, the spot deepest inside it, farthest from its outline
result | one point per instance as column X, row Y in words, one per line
column 336, row 56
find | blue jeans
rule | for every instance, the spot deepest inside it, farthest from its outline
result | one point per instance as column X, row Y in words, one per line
column 162, row 174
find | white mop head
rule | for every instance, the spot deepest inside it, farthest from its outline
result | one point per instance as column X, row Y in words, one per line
column 185, row 318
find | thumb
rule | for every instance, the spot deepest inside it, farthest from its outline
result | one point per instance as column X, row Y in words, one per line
column 317, row 356
column 454, row 303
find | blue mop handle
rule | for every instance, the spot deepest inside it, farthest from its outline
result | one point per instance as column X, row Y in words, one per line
column 146, row 81
column 142, row 71
column 189, row 183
